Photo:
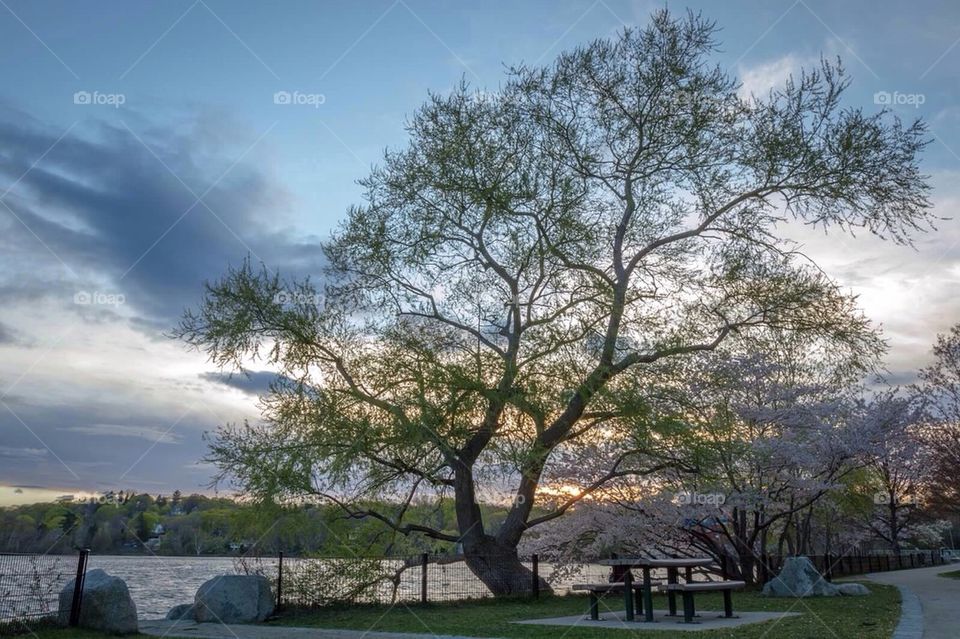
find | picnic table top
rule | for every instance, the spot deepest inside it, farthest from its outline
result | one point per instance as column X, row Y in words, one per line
column 658, row 562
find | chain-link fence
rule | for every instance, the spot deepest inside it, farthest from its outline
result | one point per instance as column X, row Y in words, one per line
column 30, row 586
column 767, row 567
column 319, row 581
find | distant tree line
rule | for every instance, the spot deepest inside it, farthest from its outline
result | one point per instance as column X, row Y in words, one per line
column 126, row 522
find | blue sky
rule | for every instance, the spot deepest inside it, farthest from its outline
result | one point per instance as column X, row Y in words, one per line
column 173, row 161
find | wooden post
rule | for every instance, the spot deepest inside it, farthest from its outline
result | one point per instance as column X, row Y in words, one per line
column 279, row 579
column 78, row 588
column 647, row 595
column 424, row 560
column 628, row 595
column 536, row 576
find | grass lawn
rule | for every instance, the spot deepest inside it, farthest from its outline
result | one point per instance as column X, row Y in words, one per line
column 68, row 634
column 953, row 574
column 873, row 617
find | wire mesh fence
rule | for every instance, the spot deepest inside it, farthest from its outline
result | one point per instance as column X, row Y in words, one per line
column 767, row 567
column 321, row 581
column 306, row 582
column 30, row 586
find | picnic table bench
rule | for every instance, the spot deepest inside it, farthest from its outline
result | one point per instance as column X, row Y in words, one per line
column 687, row 590
column 599, row 589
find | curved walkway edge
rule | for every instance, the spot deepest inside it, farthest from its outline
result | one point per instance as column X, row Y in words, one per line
column 931, row 604
column 911, row 616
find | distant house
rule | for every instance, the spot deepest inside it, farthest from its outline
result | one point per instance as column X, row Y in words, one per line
column 159, row 530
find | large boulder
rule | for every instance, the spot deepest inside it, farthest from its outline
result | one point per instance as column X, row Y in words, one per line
column 799, row 578
column 106, row 606
column 234, row 599
column 183, row 611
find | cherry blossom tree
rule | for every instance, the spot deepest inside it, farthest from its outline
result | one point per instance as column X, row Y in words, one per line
column 940, row 384
column 762, row 449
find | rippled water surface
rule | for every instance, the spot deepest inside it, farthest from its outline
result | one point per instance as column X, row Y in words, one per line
column 159, row 583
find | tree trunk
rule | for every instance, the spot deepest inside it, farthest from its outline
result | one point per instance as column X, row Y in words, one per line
column 494, row 562
column 499, row 567
column 894, row 525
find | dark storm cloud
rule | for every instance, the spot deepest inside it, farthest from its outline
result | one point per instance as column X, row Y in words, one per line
column 7, row 335
column 253, row 383
column 94, row 445
column 152, row 212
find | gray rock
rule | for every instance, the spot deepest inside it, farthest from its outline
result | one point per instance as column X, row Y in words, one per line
column 853, row 590
column 183, row 611
column 106, row 605
column 234, row 599
column 799, row 578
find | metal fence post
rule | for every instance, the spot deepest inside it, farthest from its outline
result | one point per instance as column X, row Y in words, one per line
column 279, row 579
column 536, row 576
column 78, row 588
column 424, row 560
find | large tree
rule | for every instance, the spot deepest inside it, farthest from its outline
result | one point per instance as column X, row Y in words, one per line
column 528, row 251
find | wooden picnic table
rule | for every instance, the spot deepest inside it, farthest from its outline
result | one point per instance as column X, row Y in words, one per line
column 646, row 564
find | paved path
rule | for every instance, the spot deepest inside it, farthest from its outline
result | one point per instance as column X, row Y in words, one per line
column 220, row 631
column 939, row 602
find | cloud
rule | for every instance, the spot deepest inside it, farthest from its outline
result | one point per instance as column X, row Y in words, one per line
column 911, row 292
column 254, row 383
column 151, row 434
column 104, row 212
column 139, row 211
column 759, row 79
column 23, row 453
column 7, row 334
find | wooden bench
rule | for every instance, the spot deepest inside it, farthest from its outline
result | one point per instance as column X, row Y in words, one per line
column 688, row 590
column 596, row 590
